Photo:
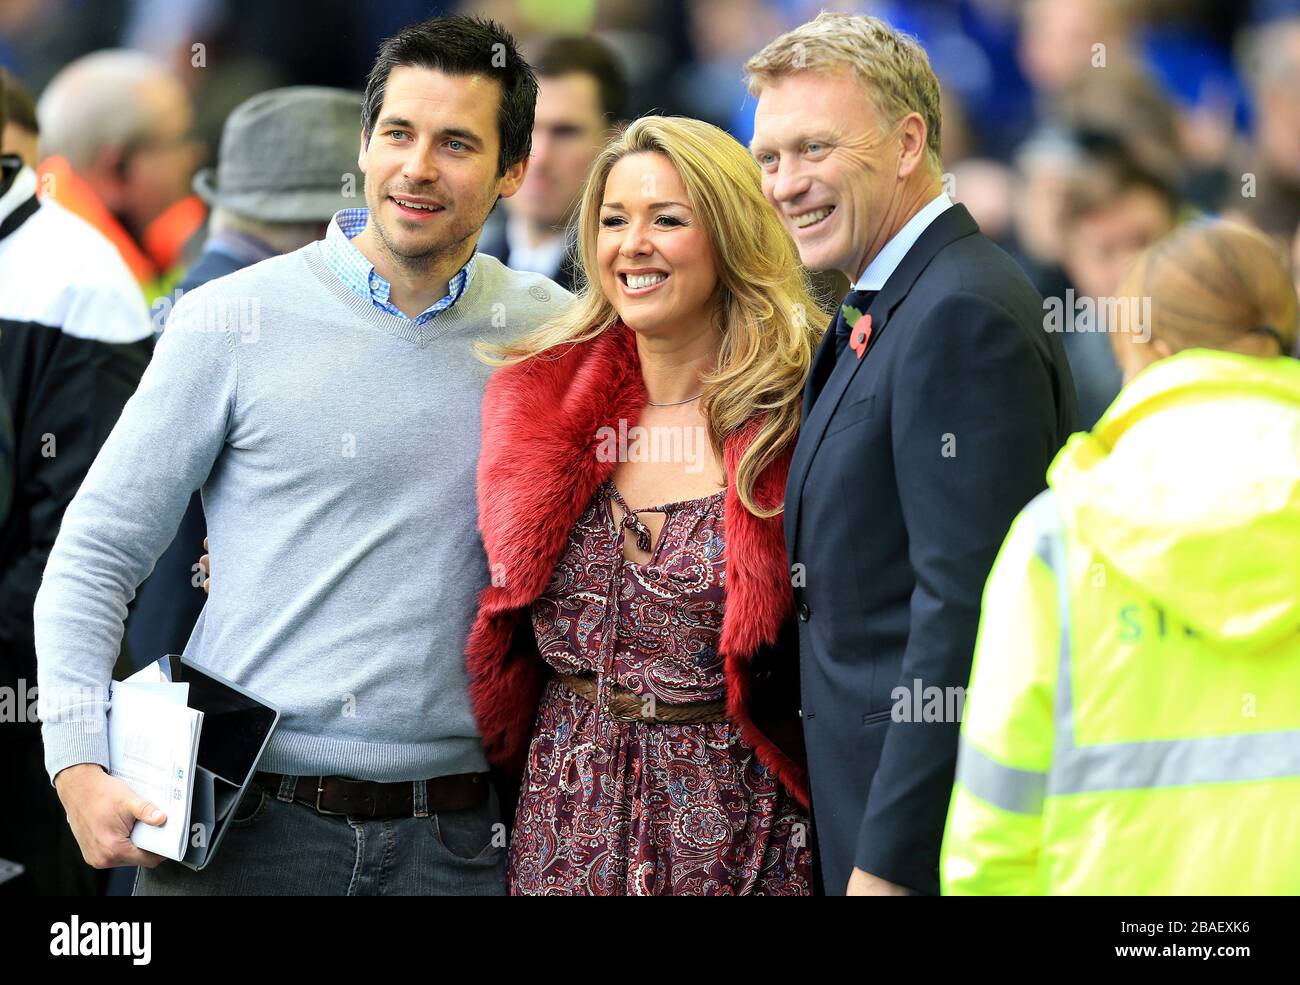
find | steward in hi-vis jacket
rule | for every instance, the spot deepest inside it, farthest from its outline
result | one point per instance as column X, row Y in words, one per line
column 1133, row 723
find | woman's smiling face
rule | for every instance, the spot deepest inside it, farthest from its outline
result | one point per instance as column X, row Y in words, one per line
column 656, row 260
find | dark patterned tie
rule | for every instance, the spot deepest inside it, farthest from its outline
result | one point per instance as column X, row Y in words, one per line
column 852, row 308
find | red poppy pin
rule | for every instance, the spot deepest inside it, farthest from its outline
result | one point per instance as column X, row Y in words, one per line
column 859, row 329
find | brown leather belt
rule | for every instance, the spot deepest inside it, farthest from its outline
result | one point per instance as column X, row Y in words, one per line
column 627, row 706
column 368, row 798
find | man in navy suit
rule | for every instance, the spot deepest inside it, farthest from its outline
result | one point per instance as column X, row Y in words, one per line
column 934, row 406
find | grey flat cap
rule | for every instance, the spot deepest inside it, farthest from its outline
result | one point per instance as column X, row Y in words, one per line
column 286, row 155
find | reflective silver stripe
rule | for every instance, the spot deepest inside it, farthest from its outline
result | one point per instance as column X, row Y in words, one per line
column 1151, row 764
column 1177, row 762
column 1050, row 548
column 1016, row 790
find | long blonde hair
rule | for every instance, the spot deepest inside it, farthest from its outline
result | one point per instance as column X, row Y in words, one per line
column 769, row 318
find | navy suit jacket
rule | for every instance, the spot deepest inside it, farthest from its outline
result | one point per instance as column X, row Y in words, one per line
column 911, row 463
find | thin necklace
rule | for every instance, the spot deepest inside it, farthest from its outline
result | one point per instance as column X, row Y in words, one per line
column 676, row 403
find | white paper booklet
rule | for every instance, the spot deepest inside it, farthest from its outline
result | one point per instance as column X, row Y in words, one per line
column 153, row 743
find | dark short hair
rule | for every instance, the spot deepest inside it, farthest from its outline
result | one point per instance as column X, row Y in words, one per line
column 571, row 54
column 460, row 45
column 1108, row 171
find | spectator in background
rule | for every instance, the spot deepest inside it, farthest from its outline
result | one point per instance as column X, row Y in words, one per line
column 117, row 128
column 721, row 35
column 1091, row 75
column 1045, row 166
column 287, row 163
column 1265, row 188
column 1109, row 92
column 1113, row 743
column 74, row 341
column 21, row 133
column 1112, row 211
column 581, row 98
column 1128, row 108
column 1062, row 41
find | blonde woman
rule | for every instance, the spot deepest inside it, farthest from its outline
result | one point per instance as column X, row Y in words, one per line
column 1132, row 726
column 633, row 655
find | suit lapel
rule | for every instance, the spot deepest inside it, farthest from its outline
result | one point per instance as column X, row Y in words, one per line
column 824, row 355
column 950, row 226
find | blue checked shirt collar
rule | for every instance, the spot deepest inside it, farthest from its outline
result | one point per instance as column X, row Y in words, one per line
column 360, row 276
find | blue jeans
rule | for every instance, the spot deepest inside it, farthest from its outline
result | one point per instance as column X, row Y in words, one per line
column 278, row 847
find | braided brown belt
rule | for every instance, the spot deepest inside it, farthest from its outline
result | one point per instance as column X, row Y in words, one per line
column 626, row 706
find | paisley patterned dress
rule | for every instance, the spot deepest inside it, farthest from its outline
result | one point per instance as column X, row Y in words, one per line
column 615, row 807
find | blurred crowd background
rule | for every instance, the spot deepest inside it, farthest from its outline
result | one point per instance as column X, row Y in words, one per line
column 1076, row 131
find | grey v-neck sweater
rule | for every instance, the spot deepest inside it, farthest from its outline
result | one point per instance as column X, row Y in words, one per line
column 336, row 447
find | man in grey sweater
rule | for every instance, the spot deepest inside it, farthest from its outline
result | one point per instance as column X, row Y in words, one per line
column 326, row 402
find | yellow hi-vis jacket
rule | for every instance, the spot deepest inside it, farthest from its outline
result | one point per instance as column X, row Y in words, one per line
column 1133, row 719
